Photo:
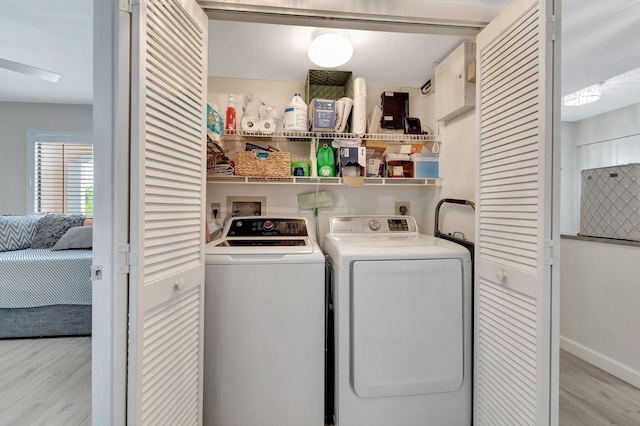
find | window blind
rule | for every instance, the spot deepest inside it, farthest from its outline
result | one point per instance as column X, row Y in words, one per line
column 63, row 178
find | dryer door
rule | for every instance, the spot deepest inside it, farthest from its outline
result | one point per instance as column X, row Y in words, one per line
column 407, row 327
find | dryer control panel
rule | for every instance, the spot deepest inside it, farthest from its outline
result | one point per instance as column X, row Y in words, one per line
column 373, row 224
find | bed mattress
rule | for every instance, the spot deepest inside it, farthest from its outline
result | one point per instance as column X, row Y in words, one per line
column 41, row 277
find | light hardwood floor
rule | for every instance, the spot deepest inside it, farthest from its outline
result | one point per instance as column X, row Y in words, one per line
column 48, row 382
column 592, row 397
column 45, row 382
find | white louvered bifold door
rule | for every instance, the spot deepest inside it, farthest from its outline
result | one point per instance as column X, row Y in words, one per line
column 514, row 334
column 168, row 104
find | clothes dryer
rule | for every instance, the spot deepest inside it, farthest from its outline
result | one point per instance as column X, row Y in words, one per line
column 264, row 325
column 402, row 323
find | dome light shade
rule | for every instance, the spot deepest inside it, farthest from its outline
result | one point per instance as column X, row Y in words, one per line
column 330, row 48
column 583, row 96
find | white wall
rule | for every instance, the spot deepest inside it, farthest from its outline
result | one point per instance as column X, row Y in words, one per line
column 599, row 315
column 607, row 139
column 458, row 167
column 457, row 163
column 569, row 182
column 599, row 282
column 16, row 119
column 611, row 125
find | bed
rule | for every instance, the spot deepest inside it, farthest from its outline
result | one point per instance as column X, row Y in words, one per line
column 46, row 292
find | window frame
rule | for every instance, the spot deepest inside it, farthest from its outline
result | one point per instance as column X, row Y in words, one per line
column 34, row 137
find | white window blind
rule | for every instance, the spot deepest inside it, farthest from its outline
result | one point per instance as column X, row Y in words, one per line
column 63, row 180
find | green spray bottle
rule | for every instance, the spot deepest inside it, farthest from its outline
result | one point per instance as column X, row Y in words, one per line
column 326, row 164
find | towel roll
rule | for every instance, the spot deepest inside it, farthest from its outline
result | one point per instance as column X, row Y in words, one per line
column 359, row 119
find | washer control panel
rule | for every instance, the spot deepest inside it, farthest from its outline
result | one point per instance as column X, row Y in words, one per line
column 267, row 227
column 373, row 224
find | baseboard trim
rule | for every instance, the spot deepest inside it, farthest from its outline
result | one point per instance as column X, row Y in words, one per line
column 610, row 365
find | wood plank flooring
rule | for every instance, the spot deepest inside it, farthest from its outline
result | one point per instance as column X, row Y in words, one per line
column 45, row 381
column 48, row 382
column 592, row 397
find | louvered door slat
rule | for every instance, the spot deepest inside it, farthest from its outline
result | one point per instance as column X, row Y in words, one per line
column 495, row 147
column 512, row 68
column 168, row 194
column 516, row 84
column 163, row 148
column 512, row 205
column 159, row 168
column 503, row 46
column 163, row 31
column 162, row 87
column 504, row 172
column 521, row 109
column 526, row 76
column 512, row 395
column 509, row 178
column 168, row 111
column 512, row 126
column 501, row 352
column 166, row 357
column 171, row 96
column 512, row 311
column 505, row 139
column 158, row 122
column 517, row 244
column 175, row 22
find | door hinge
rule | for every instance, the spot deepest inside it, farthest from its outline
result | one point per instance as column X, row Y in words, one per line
column 127, row 5
column 123, row 267
column 553, row 26
column 548, row 252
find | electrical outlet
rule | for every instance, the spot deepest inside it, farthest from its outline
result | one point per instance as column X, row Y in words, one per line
column 401, row 206
column 215, row 207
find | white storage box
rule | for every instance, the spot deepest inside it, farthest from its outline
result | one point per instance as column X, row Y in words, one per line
column 610, row 202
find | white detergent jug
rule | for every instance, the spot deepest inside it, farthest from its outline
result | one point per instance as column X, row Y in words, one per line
column 295, row 115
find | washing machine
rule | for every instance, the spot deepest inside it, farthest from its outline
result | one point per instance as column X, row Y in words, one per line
column 402, row 324
column 264, row 324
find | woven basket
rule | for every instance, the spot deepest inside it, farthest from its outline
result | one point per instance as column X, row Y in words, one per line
column 250, row 163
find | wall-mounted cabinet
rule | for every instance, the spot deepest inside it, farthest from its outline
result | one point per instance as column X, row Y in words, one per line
column 456, row 91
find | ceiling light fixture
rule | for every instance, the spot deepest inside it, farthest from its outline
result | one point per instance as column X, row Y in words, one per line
column 583, row 96
column 330, row 48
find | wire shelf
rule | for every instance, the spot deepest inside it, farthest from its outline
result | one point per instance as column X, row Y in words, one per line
column 306, row 180
column 283, row 136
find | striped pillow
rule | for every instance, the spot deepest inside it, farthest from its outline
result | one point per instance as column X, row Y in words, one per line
column 78, row 237
column 16, row 232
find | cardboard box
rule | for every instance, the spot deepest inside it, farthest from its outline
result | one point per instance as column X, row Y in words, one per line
column 399, row 169
column 322, row 115
column 352, row 161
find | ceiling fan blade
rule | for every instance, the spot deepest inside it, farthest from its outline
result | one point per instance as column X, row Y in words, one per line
column 29, row 70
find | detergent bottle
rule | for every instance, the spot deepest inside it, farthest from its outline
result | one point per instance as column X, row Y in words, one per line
column 326, row 164
column 230, row 125
column 295, row 115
